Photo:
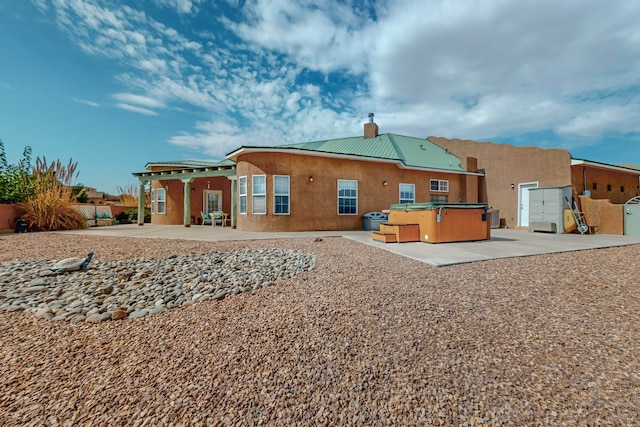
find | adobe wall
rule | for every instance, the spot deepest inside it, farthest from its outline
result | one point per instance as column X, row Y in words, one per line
column 607, row 218
column 506, row 164
column 314, row 205
column 175, row 201
column 618, row 187
column 8, row 216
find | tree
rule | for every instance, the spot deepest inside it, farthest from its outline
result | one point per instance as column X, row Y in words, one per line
column 3, row 157
column 25, row 163
column 79, row 193
column 16, row 184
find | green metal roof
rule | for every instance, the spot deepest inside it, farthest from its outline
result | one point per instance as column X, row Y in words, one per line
column 412, row 152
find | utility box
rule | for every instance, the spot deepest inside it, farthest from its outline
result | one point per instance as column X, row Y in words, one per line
column 546, row 208
column 371, row 221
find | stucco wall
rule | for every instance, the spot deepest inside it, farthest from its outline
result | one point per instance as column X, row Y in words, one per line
column 506, row 164
column 607, row 218
column 314, row 205
column 8, row 216
column 618, row 187
column 175, row 196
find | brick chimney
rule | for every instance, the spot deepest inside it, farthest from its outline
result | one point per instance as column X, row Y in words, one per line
column 370, row 129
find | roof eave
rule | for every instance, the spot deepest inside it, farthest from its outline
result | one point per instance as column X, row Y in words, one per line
column 606, row 166
column 244, row 150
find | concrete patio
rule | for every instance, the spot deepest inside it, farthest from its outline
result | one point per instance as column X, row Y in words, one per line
column 504, row 243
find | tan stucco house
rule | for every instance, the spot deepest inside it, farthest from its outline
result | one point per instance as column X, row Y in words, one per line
column 320, row 185
column 511, row 171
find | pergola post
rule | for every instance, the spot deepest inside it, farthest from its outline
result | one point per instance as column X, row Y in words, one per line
column 141, row 194
column 187, row 202
column 234, row 199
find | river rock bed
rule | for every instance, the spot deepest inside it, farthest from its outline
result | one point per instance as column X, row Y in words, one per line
column 117, row 289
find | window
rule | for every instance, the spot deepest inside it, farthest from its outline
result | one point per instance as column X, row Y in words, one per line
column 439, row 198
column 622, row 188
column 153, row 200
column 439, row 185
column 347, row 197
column 594, row 186
column 161, row 194
column 407, row 193
column 242, row 191
column 281, row 194
column 608, row 187
column 259, row 194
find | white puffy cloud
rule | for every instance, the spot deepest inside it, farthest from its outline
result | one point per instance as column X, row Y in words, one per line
column 276, row 71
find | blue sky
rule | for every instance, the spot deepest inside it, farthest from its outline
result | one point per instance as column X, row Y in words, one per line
column 116, row 84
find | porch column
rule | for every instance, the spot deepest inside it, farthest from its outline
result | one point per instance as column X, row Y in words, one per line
column 187, row 202
column 141, row 193
column 234, row 199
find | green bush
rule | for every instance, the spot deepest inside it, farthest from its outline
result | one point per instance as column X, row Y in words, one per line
column 132, row 215
column 15, row 185
column 16, row 182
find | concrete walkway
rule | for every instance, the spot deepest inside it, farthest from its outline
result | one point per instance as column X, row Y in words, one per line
column 504, row 243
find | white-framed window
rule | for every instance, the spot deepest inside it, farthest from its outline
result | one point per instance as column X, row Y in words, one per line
column 259, row 194
column 407, row 193
column 347, row 197
column 439, row 185
column 439, row 198
column 161, row 200
column 242, row 192
column 153, row 200
column 281, row 194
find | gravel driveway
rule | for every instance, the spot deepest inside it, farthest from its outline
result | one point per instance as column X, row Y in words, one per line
column 365, row 338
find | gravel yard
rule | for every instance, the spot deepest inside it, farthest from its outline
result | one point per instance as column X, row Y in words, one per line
column 364, row 338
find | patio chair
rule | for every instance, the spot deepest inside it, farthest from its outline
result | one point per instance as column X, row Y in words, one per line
column 206, row 218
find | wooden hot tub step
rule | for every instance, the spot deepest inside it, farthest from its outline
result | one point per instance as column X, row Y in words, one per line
column 384, row 237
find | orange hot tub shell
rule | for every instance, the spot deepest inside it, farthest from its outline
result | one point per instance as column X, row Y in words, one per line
column 456, row 224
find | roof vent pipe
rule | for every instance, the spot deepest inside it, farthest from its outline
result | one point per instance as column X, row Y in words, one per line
column 370, row 117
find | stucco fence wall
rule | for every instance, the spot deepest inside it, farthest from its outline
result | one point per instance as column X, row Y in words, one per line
column 9, row 214
column 606, row 217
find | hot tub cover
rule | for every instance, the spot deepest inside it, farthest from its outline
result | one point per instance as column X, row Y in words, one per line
column 429, row 206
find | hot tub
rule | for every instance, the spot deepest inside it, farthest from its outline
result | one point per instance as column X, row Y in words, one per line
column 445, row 222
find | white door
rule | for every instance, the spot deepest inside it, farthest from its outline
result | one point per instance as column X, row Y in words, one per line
column 212, row 201
column 523, row 202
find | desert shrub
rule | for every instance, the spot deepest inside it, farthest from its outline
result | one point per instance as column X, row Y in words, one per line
column 132, row 214
column 50, row 207
column 123, row 218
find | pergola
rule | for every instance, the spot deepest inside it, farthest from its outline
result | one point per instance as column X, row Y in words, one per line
column 187, row 175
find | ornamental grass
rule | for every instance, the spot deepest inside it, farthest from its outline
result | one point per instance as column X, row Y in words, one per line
column 52, row 205
column 128, row 195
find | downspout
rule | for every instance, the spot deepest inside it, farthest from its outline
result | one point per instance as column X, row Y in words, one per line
column 584, row 178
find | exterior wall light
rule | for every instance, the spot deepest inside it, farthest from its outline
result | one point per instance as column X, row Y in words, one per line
column 385, row 183
column 513, row 186
column 310, row 178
